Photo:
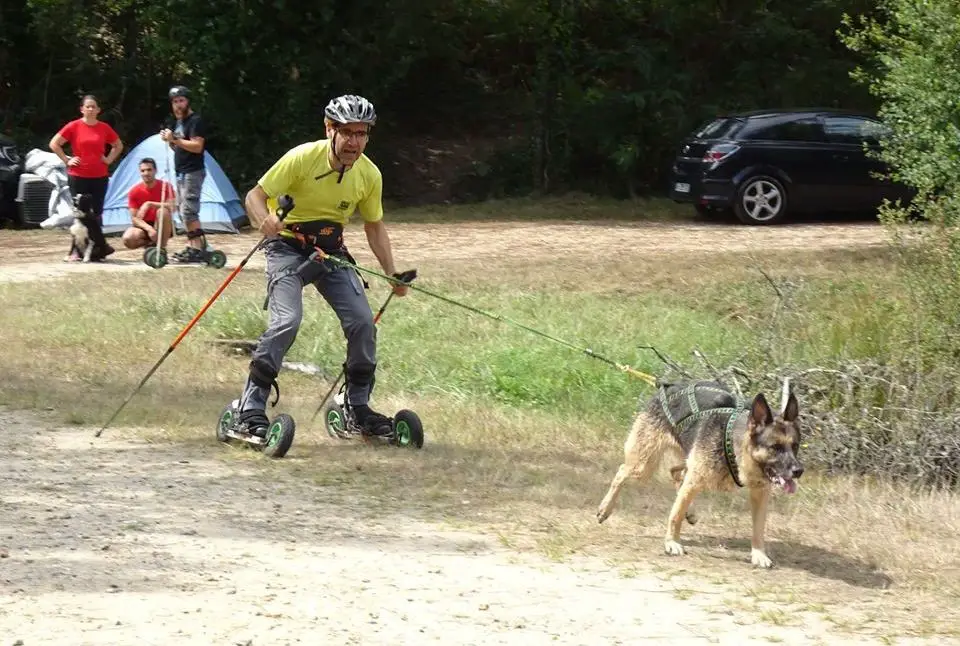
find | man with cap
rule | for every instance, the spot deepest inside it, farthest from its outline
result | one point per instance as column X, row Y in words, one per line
column 187, row 139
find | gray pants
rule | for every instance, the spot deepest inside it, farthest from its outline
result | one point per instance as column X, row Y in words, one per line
column 344, row 292
column 189, row 188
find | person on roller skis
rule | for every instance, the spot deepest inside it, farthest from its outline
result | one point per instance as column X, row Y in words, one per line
column 328, row 179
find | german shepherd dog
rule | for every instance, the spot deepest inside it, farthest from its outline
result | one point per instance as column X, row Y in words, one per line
column 715, row 442
column 79, row 234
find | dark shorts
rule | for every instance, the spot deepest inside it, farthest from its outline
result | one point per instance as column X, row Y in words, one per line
column 189, row 186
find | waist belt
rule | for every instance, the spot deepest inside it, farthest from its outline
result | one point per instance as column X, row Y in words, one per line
column 324, row 235
column 317, row 234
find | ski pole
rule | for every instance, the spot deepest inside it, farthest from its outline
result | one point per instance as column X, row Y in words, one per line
column 284, row 206
column 649, row 379
column 405, row 277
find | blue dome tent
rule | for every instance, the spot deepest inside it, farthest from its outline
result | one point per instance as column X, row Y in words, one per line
column 221, row 209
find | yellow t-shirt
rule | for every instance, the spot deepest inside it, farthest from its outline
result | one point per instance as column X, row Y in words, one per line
column 303, row 172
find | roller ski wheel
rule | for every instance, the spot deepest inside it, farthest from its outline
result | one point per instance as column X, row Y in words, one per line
column 407, row 429
column 336, row 422
column 152, row 257
column 216, row 259
column 279, row 435
column 228, row 419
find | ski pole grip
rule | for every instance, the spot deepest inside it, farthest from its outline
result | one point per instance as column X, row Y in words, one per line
column 406, row 277
column 284, row 206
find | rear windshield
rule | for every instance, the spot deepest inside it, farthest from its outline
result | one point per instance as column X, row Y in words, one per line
column 722, row 128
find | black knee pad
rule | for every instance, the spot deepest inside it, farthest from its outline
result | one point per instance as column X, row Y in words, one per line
column 364, row 375
column 262, row 375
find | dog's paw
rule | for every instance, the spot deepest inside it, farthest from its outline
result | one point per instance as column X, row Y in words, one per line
column 673, row 548
column 602, row 514
column 760, row 559
column 691, row 517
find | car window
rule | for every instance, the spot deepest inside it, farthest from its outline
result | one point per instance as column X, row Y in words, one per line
column 801, row 129
column 717, row 128
column 853, row 130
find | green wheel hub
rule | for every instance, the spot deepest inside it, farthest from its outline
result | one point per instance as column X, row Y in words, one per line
column 218, row 259
column 335, row 421
column 274, row 433
column 403, row 433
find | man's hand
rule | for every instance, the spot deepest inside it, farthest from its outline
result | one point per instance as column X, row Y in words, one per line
column 271, row 226
column 403, row 279
column 73, row 161
column 151, row 233
column 166, row 134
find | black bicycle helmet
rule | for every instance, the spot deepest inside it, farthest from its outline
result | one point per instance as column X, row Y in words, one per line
column 178, row 90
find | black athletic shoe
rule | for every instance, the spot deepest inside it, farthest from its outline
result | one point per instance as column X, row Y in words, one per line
column 372, row 422
column 255, row 421
column 189, row 254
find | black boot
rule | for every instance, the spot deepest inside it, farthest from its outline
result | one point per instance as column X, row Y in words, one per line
column 372, row 422
column 256, row 422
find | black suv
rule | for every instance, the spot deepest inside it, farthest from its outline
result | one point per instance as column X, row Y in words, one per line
column 765, row 164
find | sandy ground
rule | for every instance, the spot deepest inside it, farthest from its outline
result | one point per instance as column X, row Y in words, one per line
column 112, row 541
column 40, row 254
column 117, row 541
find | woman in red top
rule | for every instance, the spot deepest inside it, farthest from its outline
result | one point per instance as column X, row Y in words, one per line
column 88, row 168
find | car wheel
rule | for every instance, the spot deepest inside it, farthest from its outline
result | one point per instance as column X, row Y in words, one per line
column 761, row 200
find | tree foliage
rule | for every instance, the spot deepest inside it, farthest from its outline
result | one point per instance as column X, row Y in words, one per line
column 913, row 68
column 911, row 52
column 550, row 95
column 913, row 49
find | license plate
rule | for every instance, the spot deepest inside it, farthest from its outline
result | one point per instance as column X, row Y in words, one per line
column 681, row 187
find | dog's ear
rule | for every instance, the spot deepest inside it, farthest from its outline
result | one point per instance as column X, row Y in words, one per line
column 792, row 410
column 760, row 413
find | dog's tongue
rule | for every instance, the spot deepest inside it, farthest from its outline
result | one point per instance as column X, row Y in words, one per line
column 790, row 486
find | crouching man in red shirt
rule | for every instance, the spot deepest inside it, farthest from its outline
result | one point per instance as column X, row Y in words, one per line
column 146, row 200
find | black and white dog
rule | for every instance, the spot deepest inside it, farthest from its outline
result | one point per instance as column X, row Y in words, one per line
column 80, row 243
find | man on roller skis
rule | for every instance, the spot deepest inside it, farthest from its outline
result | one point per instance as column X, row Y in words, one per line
column 328, row 179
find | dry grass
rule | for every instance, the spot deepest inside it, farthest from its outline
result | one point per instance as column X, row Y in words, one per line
column 848, row 549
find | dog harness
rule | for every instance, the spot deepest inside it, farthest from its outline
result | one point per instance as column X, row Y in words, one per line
column 675, row 408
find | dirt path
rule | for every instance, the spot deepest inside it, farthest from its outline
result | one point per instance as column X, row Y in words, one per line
column 112, row 541
column 115, row 541
column 38, row 254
